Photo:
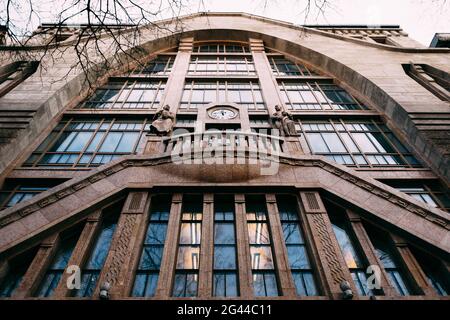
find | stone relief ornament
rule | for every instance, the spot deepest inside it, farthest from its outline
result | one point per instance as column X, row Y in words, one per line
column 283, row 121
column 163, row 122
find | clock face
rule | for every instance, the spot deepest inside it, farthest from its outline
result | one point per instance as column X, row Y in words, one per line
column 223, row 114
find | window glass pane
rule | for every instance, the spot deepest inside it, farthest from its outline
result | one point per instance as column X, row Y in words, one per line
column 364, row 142
column 261, row 257
column 156, row 233
column 349, row 142
column 298, row 258
column 292, row 233
column 102, row 245
column 224, row 233
column 265, row 284
column 224, row 257
column 188, row 257
column 304, row 284
column 127, row 142
column 111, row 142
column 348, row 251
column 333, row 142
column 258, row 233
column 58, row 264
column 225, row 285
column 151, row 258
column 185, row 285
column 190, row 233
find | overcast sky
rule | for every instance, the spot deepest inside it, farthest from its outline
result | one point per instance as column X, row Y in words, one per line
column 421, row 19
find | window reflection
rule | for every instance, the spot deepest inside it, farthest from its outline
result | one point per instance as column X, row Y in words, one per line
column 298, row 257
column 88, row 143
column 147, row 273
column 385, row 253
column 357, row 143
column 54, row 272
column 188, row 257
column 91, row 271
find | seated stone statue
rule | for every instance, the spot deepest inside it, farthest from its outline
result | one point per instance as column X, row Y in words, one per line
column 163, row 122
column 283, row 121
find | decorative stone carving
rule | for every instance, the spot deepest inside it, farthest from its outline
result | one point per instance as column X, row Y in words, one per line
column 163, row 122
column 283, row 121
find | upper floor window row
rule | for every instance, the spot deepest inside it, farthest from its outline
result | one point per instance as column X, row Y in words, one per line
column 221, row 48
column 129, row 94
column 284, row 67
column 314, row 95
column 221, row 65
column 87, row 143
column 162, row 65
column 245, row 93
column 356, row 143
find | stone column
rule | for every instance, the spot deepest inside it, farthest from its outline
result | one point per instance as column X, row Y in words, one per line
column 81, row 252
column 281, row 260
column 369, row 251
column 175, row 82
column 267, row 81
column 243, row 249
column 418, row 277
column 168, row 263
column 117, row 270
column 331, row 263
column 38, row 267
column 207, row 247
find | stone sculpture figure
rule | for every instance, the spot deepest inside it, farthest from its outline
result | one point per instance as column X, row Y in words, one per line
column 163, row 122
column 283, row 121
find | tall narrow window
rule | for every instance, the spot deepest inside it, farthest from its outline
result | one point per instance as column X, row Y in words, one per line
column 16, row 191
column 188, row 258
column 147, row 273
column 296, row 247
column 225, row 279
column 59, row 262
column 17, row 267
column 385, row 253
column 350, row 252
column 96, row 260
column 263, row 267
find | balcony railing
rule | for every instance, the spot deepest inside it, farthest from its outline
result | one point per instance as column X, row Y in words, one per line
column 223, row 142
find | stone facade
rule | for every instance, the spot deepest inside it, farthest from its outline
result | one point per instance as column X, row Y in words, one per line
column 367, row 62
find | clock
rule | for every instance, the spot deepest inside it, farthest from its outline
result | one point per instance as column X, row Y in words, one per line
column 223, row 114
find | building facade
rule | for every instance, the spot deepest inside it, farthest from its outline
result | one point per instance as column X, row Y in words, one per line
column 293, row 162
